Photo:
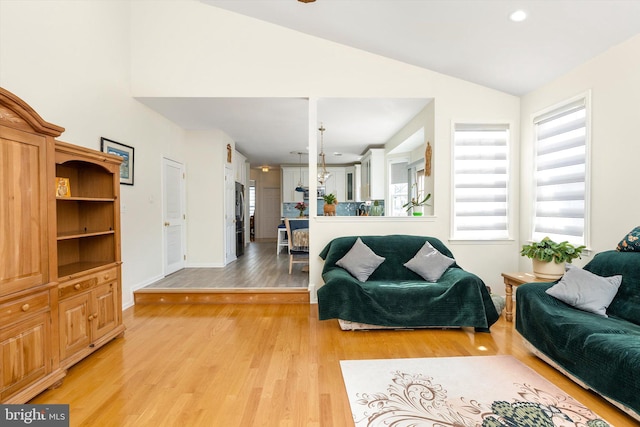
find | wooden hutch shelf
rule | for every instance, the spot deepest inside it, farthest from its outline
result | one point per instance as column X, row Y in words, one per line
column 60, row 285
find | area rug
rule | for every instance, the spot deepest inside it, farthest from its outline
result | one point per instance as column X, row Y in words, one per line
column 487, row 391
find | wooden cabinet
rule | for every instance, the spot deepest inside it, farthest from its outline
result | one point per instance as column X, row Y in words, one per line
column 87, row 222
column 28, row 303
column 25, row 344
column 88, row 251
column 86, row 316
column 60, row 255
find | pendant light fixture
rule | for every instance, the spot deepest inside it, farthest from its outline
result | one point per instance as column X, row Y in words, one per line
column 300, row 187
column 323, row 174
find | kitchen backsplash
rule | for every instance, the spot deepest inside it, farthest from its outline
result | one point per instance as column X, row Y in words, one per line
column 342, row 209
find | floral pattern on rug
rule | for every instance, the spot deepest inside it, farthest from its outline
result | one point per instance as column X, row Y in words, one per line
column 415, row 400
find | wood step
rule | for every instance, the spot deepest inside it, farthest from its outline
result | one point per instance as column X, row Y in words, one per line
column 222, row 296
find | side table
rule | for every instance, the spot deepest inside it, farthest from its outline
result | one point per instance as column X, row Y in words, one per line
column 515, row 279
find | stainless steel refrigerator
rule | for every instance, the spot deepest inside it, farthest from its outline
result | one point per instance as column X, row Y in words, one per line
column 239, row 219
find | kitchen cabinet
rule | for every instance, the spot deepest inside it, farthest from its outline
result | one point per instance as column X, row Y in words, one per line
column 240, row 168
column 373, row 175
column 336, row 183
column 290, row 179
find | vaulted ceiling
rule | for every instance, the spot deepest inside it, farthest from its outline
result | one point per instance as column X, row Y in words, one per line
column 472, row 40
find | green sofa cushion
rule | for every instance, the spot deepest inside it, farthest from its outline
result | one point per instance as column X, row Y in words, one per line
column 626, row 304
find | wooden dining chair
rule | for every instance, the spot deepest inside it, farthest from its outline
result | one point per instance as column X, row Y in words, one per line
column 297, row 255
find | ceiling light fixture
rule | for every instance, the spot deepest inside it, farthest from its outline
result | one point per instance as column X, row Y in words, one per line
column 323, row 174
column 265, row 168
column 518, row 16
column 306, row 1
column 300, row 188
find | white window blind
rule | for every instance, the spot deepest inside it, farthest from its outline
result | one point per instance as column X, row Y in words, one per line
column 560, row 173
column 481, row 181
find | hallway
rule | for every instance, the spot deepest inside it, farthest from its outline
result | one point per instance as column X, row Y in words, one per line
column 259, row 267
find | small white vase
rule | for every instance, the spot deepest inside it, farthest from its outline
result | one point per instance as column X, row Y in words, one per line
column 548, row 270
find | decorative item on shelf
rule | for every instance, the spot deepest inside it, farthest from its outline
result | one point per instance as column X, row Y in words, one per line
column 63, row 189
column 323, row 174
column 301, row 206
column 364, row 208
column 376, row 209
column 330, row 203
column 427, row 159
column 416, row 204
column 549, row 257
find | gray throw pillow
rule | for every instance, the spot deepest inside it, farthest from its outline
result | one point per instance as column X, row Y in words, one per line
column 429, row 263
column 360, row 261
column 586, row 291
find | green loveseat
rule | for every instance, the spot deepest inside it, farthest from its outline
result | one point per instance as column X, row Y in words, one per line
column 395, row 296
column 599, row 353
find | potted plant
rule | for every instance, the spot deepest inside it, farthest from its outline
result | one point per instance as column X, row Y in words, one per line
column 330, row 203
column 417, row 202
column 301, row 206
column 549, row 257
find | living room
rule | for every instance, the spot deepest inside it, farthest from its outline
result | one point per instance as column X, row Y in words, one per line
column 82, row 65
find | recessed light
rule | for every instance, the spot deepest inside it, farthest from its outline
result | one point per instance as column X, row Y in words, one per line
column 518, row 16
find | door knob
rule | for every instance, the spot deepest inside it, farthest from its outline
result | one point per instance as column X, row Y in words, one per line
column 166, row 224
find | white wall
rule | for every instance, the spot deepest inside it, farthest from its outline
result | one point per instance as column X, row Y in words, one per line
column 614, row 81
column 79, row 63
column 206, row 158
column 188, row 48
column 70, row 61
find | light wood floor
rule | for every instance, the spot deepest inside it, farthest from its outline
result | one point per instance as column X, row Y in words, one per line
column 256, row 365
column 259, row 267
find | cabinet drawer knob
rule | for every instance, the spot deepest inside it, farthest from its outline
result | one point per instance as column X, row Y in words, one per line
column 91, row 317
column 106, row 277
column 76, row 286
column 25, row 307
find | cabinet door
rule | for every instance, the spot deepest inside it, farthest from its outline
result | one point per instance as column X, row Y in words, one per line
column 75, row 332
column 104, row 316
column 290, row 180
column 288, row 185
column 339, row 179
column 23, row 222
column 23, row 350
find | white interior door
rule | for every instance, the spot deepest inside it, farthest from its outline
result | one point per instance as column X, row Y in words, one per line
column 173, row 216
column 270, row 213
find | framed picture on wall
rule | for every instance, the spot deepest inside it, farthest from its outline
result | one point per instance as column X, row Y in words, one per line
column 126, row 153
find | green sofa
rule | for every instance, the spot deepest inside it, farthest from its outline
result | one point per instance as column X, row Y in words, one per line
column 395, row 296
column 599, row 353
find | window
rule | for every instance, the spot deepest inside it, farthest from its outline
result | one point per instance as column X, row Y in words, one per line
column 398, row 188
column 560, row 143
column 252, row 198
column 480, row 181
